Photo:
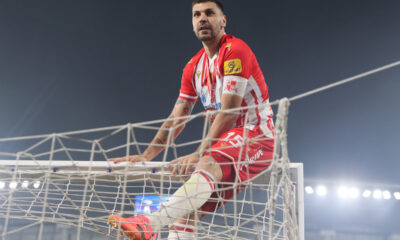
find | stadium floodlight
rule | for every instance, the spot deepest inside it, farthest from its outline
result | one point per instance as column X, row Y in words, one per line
column 377, row 194
column 396, row 195
column 2, row 185
column 25, row 184
column 343, row 192
column 13, row 185
column 321, row 190
column 367, row 193
column 36, row 184
column 354, row 192
column 386, row 195
column 309, row 190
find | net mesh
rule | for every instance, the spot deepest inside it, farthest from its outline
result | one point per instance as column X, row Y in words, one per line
column 65, row 179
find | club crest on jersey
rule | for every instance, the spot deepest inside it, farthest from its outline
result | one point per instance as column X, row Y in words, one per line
column 198, row 73
column 233, row 66
column 231, row 86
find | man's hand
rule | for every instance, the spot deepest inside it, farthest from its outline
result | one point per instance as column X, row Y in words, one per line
column 131, row 159
column 184, row 165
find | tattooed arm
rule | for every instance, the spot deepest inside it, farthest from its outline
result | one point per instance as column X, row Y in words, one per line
column 182, row 108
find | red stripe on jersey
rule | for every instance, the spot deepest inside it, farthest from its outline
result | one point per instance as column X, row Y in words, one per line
column 256, row 103
column 203, row 80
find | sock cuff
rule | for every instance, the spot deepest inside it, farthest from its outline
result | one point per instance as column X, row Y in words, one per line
column 181, row 228
column 208, row 176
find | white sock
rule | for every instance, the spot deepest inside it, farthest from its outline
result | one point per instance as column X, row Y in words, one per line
column 187, row 199
column 181, row 232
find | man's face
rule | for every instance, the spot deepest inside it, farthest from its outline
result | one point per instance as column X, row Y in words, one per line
column 208, row 21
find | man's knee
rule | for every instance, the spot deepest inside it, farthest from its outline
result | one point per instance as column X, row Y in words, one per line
column 209, row 164
column 186, row 220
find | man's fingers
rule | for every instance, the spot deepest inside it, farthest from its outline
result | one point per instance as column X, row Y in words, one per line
column 175, row 165
column 121, row 159
column 174, row 171
column 189, row 169
column 117, row 160
column 183, row 167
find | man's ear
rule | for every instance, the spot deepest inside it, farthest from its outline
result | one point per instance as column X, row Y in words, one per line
column 224, row 21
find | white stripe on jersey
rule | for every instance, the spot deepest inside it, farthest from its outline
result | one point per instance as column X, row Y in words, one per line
column 187, row 96
column 198, row 75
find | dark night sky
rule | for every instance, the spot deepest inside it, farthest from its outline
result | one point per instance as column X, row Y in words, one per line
column 70, row 65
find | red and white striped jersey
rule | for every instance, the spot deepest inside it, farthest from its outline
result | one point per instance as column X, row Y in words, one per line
column 233, row 70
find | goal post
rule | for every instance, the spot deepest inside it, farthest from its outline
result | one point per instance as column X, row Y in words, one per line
column 65, row 178
column 22, row 188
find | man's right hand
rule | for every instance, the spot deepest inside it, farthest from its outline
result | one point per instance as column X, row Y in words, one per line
column 131, row 159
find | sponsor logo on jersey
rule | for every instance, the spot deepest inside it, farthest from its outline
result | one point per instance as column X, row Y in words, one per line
column 214, row 106
column 233, row 66
column 252, row 159
column 256, row 156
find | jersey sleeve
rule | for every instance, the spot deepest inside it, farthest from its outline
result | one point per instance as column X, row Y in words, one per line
column 236, row 68
column 187, row 90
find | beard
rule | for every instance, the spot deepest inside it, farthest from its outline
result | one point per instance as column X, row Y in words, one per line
column 211, row 35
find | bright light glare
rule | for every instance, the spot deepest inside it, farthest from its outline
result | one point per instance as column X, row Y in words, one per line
column 13, row 185
column 2, row 185
column 321, row 190
column 343, row 192
column 25, row 184
column 309, row 190
column 386, row 195
column 354, row 192
column 367, row 193
column 377, row 194
column 396, row 195
column 36, row 184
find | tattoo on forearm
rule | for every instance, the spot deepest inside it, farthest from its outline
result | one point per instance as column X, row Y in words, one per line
column 162, row 139
column 179, row 101
column 159, row 141
column 187, row 110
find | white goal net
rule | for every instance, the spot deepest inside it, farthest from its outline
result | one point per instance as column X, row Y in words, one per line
column 64, row 179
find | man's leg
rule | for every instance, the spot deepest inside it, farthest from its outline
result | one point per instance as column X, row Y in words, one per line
column 190, row 196
column 184, row 228
column 187, row 199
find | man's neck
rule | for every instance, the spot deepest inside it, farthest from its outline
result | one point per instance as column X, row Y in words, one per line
column 212, row 46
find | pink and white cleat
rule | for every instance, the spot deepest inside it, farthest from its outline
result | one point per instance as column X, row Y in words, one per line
column 136, row 228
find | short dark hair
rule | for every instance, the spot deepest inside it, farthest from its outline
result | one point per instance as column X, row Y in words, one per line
column 219, row 4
